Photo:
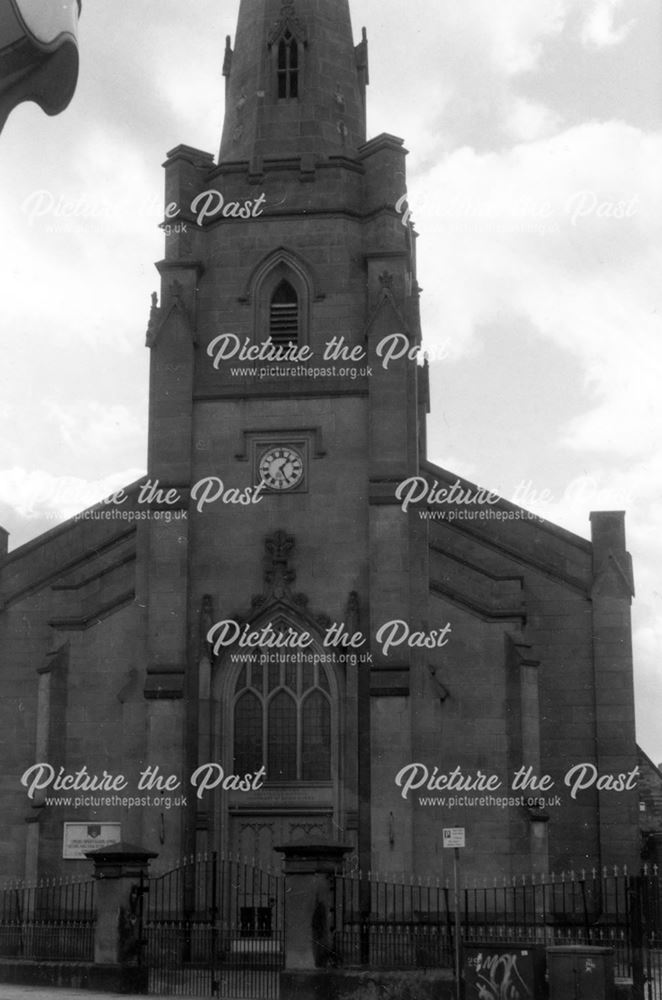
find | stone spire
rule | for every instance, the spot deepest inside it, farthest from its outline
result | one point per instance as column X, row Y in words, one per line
column 295, row 82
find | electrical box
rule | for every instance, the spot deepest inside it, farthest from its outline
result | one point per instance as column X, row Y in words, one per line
column 514, row 971
column 580, row 972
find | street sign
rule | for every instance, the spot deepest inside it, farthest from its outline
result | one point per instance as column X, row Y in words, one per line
column 453, row 836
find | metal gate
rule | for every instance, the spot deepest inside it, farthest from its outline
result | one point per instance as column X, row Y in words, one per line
column 213, row 927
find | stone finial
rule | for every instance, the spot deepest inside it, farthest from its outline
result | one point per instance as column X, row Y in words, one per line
column 153, row 321
column 227, row 57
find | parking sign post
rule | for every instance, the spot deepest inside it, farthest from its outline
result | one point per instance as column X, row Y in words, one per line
column 453, row 837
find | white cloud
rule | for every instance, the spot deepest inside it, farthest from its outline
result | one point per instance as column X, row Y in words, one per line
column 506, row 38
column 599, row 29
column 517, row 32
column 465, row 63
column 529, row 120
column 37, row 494
column 68, row 227
column 90, row 427
column 512, row 238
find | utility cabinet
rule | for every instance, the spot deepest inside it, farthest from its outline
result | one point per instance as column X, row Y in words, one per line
column 514, row 971
column 580, row 972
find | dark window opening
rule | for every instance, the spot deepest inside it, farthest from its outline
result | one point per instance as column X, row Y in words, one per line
column 248, row 753
column 282, row 740
column 316, row 738
column 284, row 315
column 288, row 67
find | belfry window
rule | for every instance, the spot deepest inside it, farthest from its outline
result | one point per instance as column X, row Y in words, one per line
column 282, row 720
column 288, row 67
column 284, row 315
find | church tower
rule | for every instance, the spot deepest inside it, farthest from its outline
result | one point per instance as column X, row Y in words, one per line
column 281, row 425
column 297, row 625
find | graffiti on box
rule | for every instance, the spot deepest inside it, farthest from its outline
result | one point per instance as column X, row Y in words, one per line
column 496, row 976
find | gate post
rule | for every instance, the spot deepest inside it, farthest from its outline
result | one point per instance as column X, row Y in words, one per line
column 635, row 886
column 120, row 871
column 310, row 868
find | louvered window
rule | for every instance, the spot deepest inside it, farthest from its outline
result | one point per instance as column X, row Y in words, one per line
column 288, row 67
column 284, row 315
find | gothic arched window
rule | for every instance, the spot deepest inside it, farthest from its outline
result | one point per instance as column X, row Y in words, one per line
column 282, row 719
column 288, row 67
column 284, row 315
column 282, row 289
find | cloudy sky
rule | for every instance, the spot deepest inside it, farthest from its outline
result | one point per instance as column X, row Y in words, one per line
column 535, row 138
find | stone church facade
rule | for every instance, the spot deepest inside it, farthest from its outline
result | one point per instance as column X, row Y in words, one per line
column 295, row 612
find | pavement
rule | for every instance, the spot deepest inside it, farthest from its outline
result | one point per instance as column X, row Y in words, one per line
column 8, row 992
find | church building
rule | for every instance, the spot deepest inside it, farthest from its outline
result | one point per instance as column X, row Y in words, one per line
column 296, row 624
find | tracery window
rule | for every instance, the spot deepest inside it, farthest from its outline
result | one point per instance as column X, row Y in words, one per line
column 282, row 719
column 288, row 67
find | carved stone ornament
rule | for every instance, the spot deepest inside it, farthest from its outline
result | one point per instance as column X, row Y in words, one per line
column 277, row 575
column 278, row 578
column 288, row 21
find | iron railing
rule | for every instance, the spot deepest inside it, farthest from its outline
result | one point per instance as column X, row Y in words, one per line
column 52, row 920
column 410, row 922
column 217, row 923
column 392, row 924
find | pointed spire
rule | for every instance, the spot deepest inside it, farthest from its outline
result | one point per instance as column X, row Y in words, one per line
column 295, row 82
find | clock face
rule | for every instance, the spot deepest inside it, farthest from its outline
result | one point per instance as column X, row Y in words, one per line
column 281, row 467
